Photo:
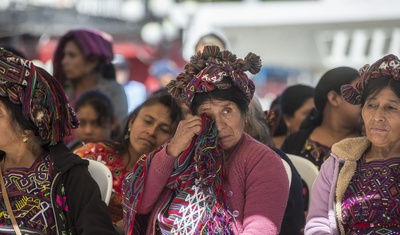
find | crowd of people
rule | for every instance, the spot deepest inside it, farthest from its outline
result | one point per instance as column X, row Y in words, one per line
column 197, row 155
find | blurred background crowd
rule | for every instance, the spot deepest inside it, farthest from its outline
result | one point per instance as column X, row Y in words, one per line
column 297, row 40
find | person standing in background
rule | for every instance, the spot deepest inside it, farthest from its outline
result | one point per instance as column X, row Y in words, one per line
column 136, row 92
column 82, row 61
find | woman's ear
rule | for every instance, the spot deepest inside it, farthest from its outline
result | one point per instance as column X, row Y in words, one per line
column 334, row 98
column 131, row 121
column 286, row 120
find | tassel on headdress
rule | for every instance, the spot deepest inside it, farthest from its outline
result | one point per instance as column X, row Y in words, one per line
column 41, row 96
column 206, row 70
column 387, row 66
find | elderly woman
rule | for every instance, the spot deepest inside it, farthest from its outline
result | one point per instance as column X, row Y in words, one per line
column 211, row 177
column 45, row 189
column 356, row 191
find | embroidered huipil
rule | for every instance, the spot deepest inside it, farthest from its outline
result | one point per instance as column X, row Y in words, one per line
column 315, row 152
column 371, row 203
column 105, row 153
column 29, row 194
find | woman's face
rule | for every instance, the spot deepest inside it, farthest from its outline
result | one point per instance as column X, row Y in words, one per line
column 8, row 137
column 229, row 120
column 381, row 115
column 151, row 128
column 89, row 129
column 74, row 63
column 293, row 123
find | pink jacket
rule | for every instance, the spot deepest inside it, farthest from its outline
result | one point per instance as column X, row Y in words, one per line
column 257, row 187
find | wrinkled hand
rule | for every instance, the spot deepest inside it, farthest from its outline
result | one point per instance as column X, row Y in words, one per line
column 184, row 134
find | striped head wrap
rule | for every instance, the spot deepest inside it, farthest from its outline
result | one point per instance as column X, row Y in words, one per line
column 387, row 66
column 41, row 96
column 206, row 72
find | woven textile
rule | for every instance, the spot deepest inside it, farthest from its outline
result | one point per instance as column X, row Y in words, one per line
column 105, row 153
column 29, row 193
column 207, row 71
column 195, row 202
column 42, row 97
column 371, row 201
column 387, row 66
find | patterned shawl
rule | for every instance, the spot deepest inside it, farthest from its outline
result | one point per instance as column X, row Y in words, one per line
column 195, row 202
column 387, row 66
column 206, row 72
column 41, row 96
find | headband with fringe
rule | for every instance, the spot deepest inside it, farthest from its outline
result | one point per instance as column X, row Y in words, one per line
column 206, row 70
column 387, row 66
column 41, row 96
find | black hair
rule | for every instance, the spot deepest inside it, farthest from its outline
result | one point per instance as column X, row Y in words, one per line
column 332, row 80
column 279, row 127
column 103, row 106
column 374, row 86
column 232, row 94
column 15, row 51
column 293, row 97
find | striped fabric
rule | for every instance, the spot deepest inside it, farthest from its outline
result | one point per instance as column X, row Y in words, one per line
column 387, row 66
column 195, row 202
column 206, row 72
column 42, row 98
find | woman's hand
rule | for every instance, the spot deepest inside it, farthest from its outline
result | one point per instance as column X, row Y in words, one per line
column 184, row 134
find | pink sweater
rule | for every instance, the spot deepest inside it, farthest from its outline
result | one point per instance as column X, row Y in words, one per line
column 257, row 187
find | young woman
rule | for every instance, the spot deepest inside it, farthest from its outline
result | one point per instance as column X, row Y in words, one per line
column 97, row 120
column 149, row 126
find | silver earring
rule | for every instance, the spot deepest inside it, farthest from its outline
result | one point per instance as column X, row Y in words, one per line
column 127, row 134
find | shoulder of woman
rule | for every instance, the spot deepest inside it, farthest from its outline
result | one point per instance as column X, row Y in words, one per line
column 351, row 148
column 253, row 150
column 109, row 83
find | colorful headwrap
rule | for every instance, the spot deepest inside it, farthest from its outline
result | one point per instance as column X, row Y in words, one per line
column 206, row 70
column 387, row 66
column 42, row 97
column 92, row 43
